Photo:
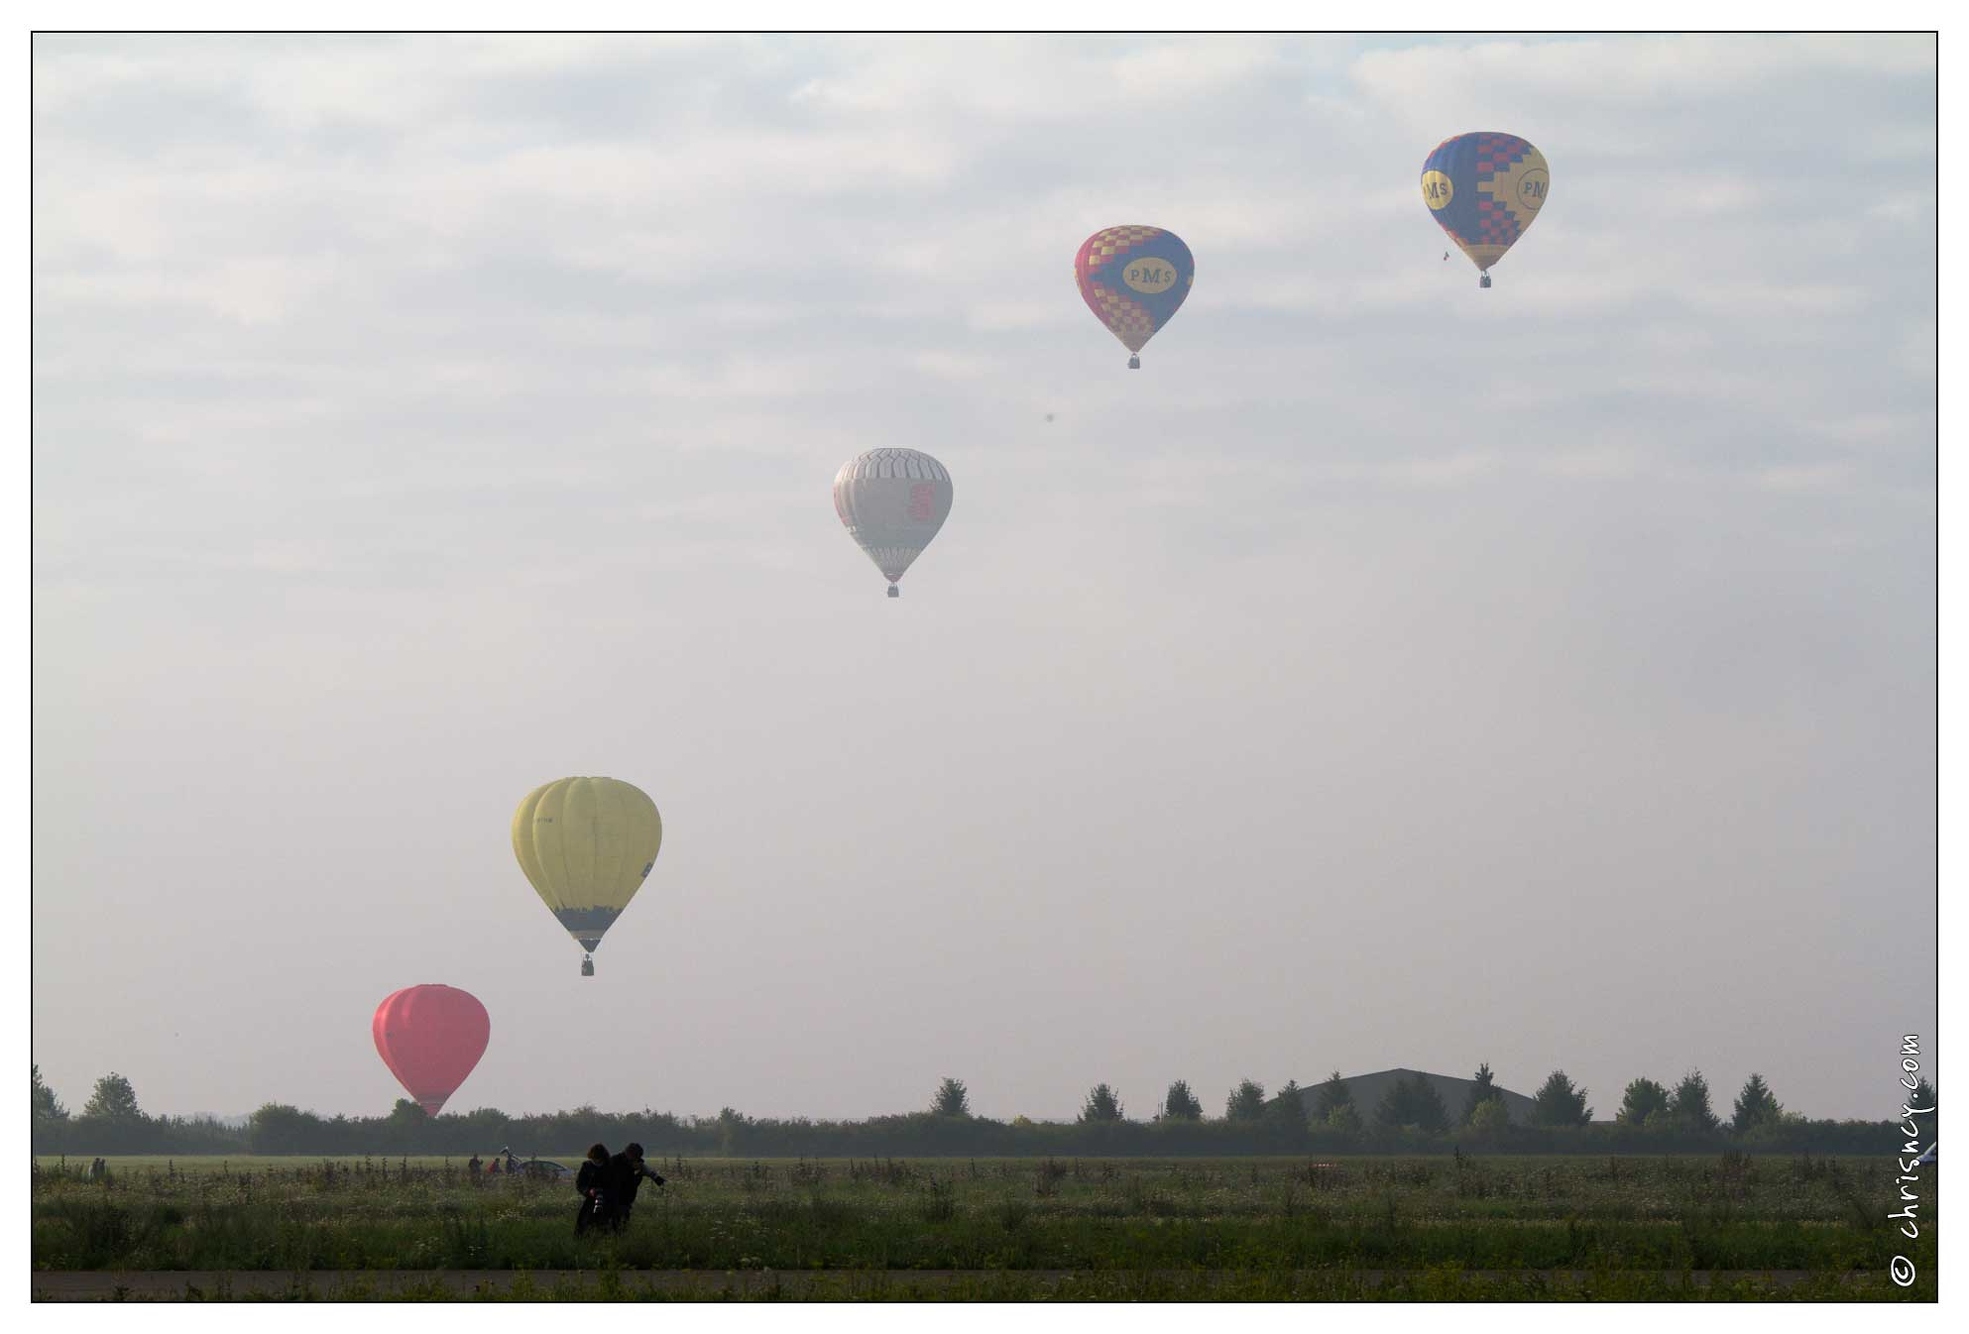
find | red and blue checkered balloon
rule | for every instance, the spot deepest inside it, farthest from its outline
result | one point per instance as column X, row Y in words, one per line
column 1133, row 279
column 1485, row 189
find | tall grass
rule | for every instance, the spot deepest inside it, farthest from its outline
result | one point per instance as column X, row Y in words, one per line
column 1665, row 1216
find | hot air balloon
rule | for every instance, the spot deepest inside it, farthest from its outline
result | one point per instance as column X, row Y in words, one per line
column 1134, row 279
column 1485, row 189
column 587, row 844
column 893, row 502
column 430, row 1036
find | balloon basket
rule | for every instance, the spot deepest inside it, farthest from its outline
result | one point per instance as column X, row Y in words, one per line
column 1134, row 363
column 587, row 966
column 894, row 592
column 1484, row 280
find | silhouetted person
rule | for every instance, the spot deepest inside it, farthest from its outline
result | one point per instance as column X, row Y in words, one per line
column 592, row 1182
column 473, row 1168
column 512, row 1164
column 626, row 1171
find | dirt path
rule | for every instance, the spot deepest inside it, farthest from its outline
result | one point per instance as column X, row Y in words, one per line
column 442, row 1284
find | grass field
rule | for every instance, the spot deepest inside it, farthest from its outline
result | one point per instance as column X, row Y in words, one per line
column 1358, row 1228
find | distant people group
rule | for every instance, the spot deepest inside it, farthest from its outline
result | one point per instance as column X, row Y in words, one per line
column 474, row 1165
column 608, row 1186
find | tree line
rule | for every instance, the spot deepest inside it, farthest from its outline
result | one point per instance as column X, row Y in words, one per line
column 1409, row 1118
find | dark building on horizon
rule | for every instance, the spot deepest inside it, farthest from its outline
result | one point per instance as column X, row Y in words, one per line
column 1369, row 1090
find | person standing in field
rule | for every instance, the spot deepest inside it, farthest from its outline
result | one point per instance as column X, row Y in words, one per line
column 626, row 1171
column 592, row 1182
column 472, row 1169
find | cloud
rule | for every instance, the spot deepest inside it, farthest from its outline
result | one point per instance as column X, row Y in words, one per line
column 1597, row 85
column 427, row 415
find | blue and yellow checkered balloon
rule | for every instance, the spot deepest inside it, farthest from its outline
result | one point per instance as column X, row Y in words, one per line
column 1485, row 189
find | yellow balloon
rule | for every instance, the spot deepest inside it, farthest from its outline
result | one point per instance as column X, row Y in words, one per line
column 587, row 845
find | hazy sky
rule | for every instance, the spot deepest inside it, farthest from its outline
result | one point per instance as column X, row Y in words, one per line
column 1389, row 673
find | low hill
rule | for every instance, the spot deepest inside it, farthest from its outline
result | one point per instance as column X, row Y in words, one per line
column 1369, row 1090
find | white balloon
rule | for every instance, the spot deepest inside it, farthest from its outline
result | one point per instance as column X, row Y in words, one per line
column 893, row 502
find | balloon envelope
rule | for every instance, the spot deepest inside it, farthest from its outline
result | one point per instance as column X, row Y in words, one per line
column 893, row 502
column 1485, row 189
column 1134, row 279
column 431, row 1037
column 587, row 845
